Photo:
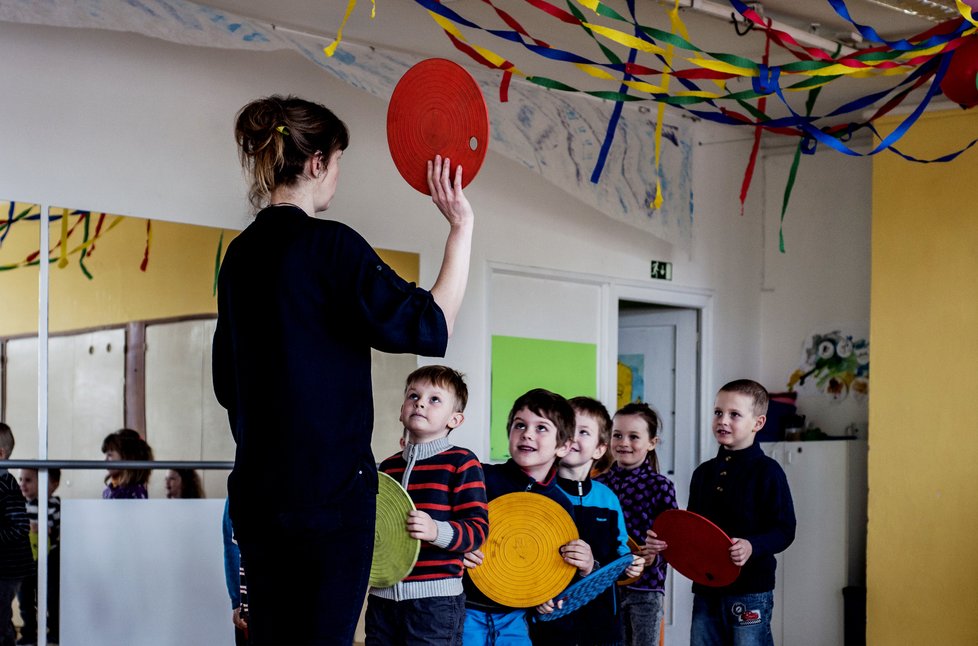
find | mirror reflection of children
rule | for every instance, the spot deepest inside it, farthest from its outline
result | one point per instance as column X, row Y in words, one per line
column 126, row 444
column 644, row 494
column 541, row 427
column 27, row 596
column 745, row 493
column 16, row 559
column 183, row 483
column 599, row 519
column 451, row 516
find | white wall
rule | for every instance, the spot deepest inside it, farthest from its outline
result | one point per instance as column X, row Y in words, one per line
column 821, row 283
column 132, row 125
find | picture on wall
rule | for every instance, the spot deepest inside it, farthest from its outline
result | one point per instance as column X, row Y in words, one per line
column 631, row 378
column 521, row 364
column 836, row 364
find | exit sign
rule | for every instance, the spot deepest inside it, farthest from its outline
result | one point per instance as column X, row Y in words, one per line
column 661, row 270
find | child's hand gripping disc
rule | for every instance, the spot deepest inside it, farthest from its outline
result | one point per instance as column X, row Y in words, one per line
column 634, row 547
column 585, row 590
column 522, row 566
column 395, row 552
column 437, row 108
column 698, row 549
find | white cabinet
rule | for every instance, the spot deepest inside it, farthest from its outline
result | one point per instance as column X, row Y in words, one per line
column 828, row 486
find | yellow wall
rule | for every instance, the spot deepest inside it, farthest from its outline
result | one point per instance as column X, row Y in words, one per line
column 178, row 281
column 922, row 549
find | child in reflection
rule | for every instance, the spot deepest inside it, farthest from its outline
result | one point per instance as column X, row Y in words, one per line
column 27, row 597
column 183, row 483
column 126, row 444
column 16, row 561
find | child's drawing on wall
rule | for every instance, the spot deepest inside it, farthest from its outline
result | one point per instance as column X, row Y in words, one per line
column 837, row 364
column 631, row 378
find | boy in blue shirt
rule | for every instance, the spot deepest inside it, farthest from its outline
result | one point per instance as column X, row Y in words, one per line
column 541, row 427
column 601, row 523
column 746, row 494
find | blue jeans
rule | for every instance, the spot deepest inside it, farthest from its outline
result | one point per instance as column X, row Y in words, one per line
column 415, row 622
column 496, row 628
column 641, row 617
column 732, row 620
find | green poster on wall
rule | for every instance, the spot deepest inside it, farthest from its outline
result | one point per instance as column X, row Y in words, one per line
column 520, row 364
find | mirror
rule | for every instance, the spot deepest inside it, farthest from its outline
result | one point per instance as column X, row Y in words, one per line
column 131, row 317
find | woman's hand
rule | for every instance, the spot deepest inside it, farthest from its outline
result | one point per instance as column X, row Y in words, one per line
column 447, row 193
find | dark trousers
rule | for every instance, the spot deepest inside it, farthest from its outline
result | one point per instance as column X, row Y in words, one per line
column 435, row 621
column 306, row 578
column 27, row 599
column 8, row 590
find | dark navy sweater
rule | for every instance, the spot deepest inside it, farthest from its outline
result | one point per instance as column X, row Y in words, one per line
column 746, row 494
column 300, row 303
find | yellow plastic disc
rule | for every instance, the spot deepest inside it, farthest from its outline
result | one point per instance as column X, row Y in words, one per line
column 522, row 565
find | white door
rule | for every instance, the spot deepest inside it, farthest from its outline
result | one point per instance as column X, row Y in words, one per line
column 663, row 342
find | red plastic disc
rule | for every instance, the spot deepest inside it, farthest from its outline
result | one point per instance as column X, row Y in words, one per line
column 437, row 109
column 698, row 549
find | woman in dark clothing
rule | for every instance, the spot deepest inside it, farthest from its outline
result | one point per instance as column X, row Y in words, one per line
column 301, row 301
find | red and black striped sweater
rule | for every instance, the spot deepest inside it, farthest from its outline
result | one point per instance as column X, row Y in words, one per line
column 446, row 482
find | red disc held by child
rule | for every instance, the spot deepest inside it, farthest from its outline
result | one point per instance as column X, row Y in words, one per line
column 698, row 549
column 437, row 109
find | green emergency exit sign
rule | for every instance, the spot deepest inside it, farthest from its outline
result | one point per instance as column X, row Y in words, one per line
column 661, row 270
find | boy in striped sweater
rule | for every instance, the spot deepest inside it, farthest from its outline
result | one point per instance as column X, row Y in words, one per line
column 447, row 486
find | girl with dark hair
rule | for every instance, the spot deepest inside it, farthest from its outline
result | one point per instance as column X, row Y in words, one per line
column 644, row 493
column 126, row 444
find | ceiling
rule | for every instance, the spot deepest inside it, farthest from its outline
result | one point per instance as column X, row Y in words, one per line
column 405, row 25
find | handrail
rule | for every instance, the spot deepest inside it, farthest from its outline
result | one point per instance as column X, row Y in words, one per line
column 116, row 464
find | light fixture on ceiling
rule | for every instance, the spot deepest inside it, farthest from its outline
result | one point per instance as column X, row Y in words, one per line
column 933, row 10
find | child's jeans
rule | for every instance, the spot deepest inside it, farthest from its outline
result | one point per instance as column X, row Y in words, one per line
column 737, row 620
column 496, row 628
column 641, row 616
column 434, row 620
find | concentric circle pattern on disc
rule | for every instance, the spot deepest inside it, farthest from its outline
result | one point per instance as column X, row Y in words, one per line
column 437, row 109
column 522, row 565
column 395, row 552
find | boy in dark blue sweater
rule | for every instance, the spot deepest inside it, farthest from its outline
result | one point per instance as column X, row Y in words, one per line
column 541, row 427
column 746, row 494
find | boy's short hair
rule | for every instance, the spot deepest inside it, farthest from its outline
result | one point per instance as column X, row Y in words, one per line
column 752, row 389
column 594, row 408
column 6, row 439
column 550, row 405
column 442, row 377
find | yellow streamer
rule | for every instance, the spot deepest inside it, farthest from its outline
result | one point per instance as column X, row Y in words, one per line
column 492, row 57
column 967, row 12
column 330, row 49
column 63, row 259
